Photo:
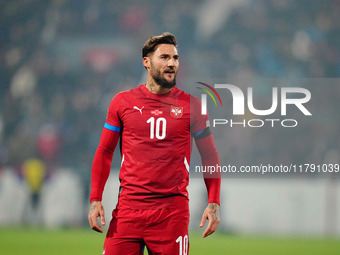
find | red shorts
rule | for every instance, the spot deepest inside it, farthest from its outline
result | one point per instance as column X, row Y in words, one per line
column 162, row 231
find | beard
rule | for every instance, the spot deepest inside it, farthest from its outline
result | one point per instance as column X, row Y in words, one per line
column 164, row 83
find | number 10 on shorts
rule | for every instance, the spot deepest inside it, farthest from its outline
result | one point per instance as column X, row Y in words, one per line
column 183, row 244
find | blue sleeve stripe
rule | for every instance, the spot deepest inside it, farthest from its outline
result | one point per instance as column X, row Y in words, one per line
column 110, row 127
column 199, row 132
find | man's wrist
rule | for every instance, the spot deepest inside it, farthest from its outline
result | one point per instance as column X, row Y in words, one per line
column 218, row 203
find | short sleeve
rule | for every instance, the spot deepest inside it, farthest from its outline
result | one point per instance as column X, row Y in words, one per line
column 198, row 122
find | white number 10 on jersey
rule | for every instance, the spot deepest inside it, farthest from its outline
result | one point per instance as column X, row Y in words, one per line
column 157, row 131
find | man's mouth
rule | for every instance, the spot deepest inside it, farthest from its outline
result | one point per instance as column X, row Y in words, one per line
column 169, row 71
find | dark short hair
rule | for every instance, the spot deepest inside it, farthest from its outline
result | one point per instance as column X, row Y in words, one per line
column 150, row 45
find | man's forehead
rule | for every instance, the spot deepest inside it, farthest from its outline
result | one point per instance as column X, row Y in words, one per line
column 169, row 49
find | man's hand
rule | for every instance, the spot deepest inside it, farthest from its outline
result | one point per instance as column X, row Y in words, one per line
column 212, row 213
column 96, row 210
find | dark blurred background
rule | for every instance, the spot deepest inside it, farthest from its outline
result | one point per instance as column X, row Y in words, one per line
column 61, row 62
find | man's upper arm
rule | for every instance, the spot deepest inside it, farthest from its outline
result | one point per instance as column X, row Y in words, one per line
column 113, row 121
column 199, row 124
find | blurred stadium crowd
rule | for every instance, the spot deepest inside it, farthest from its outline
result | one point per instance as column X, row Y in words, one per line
column 61, row 61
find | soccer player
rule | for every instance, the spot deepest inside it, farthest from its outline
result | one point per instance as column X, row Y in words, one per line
column 156, row 122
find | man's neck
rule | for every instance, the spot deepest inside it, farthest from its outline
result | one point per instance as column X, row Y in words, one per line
column 156, row 88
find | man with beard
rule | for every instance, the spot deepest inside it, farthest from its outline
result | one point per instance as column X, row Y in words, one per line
column 156, row 122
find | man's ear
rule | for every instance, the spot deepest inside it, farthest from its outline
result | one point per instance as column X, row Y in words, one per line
column 146, row 62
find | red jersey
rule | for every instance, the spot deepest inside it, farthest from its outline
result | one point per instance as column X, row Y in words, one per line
column 156, row 136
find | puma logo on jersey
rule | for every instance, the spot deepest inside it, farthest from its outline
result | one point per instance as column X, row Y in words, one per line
column 140, row 110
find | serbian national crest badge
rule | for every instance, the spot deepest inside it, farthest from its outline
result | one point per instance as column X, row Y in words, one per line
column 176, row 111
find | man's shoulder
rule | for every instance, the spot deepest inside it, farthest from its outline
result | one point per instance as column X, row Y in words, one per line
column 177, row 93
column 181, row 93
column 127, row 93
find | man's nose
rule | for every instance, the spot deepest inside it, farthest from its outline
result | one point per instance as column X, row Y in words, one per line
column 171, row 62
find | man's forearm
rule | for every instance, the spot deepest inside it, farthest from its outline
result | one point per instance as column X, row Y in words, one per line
column 213, row 187
column 207, row 149
column 102, row 163
column 100, row 173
